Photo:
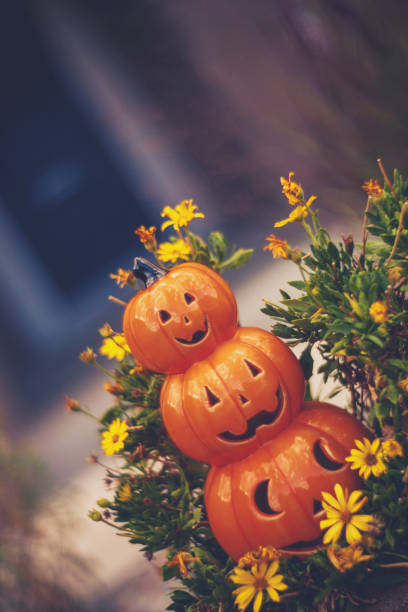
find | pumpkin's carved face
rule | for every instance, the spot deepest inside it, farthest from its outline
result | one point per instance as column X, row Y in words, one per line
column 180, row 319
column 273, row 497
column 226, row 406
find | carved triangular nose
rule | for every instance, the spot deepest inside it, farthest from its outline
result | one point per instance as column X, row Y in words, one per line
column 186, row 320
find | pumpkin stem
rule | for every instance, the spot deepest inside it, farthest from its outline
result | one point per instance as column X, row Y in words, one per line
column 147, row 271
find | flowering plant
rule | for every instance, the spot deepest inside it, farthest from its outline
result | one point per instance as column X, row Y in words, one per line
column 350, row 311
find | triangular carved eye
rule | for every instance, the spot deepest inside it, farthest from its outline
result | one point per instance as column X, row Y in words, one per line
column 164, row 316
column 189, row 298
column 255, row 370
column 212, row 398
column 317, row 506
column 261, row 499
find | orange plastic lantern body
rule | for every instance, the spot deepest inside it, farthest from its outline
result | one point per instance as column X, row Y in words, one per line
column 242, row 395
column 273, row 497
column 180, row 319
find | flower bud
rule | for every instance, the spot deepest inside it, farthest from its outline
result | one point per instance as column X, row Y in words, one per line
column 95, row 515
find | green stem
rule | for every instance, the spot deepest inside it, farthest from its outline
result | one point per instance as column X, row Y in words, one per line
column 104, row 370
column 89, row 414
column 309, row 232
column 309, row 293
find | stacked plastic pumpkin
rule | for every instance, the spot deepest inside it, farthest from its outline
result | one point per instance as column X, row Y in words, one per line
column 233, row 398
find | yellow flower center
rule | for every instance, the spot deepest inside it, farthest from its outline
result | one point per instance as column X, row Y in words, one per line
column 260, row 583
column 371, row 459
column 115, row 438
column 345, row 516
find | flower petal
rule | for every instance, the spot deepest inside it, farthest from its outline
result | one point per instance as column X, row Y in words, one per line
column 333, row 534
column 258, row 601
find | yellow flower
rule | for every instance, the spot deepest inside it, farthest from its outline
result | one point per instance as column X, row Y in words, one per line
column 72, row 405
column 379, row 311
column 113, row 439
column 293, row 191
column 347, row 557
column 114, row 388
column 278, row 247
column 147, row 237
column 115, row 347
column 367, row 458
column 392, row 448
column 180, row 215
column 404, row 383
column 263, row 554
column 262, row 577
column 180, row 559
column 341, row 513
column 172, row 251
column 298, row 214
column 394, row 274
column 125, row 493
column 373, row 188
column 123, row 277
column 88, row 356
column 106, row 330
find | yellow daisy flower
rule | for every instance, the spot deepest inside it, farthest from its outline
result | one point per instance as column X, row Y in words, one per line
column 263, row 554
column 147, row 237
column 88, row 355
column 172, row 251
column 180, row 215
column 379, row 311
column 395, row 274
column 180, row 559
column 391, row 448
column 292, row 190
column 106, row 330
column 298, row 214
column 367, row 458
column 278, row 247
column 115, row 347
column 123, row 277
column 113, row 439
column 373, row 188
column 125, row 493
column 347, row 557
column 341, row 514
column 403, row 384
column 262, row 577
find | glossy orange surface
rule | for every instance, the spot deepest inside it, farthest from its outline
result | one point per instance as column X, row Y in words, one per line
column 180, row 319
column 273, row 496
column 224, row 407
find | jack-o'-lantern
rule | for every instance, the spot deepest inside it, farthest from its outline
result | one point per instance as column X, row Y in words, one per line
column 180, row 317
column 273, row 497
column 224, row 407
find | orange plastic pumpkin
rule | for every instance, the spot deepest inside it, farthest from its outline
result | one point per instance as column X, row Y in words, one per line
column 273, row 497
column 180, row 319
column 243, row 394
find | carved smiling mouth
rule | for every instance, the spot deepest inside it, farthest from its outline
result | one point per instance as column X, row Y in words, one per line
column 197, row 336
column 261, row 418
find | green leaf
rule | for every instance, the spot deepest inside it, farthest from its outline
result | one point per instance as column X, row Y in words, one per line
column 237, row 260
column 218, row 244
column 306, row 361
column 297, row 284
column 376, row 340
column 399, row 364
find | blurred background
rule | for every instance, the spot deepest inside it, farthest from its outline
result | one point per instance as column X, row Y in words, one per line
column 109, row 112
